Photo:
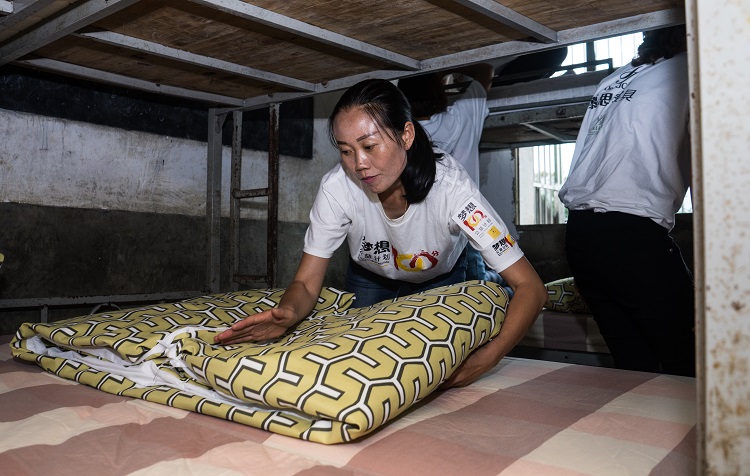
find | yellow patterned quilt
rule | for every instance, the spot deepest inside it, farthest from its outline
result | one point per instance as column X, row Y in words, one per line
column 340, row 374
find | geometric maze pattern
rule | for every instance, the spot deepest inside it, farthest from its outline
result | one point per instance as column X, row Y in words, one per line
column 338, row 375
column 564, row 297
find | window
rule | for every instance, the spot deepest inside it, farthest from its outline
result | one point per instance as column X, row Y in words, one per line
column 542, row 170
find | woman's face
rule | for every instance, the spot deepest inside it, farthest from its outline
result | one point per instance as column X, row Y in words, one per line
column 369, row 153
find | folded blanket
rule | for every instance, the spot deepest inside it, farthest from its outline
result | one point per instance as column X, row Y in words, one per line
column 338, row 375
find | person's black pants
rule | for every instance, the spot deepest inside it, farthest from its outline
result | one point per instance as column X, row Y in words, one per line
column 632, row 275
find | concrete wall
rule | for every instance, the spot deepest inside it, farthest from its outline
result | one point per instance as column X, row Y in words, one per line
column 497, row 173
column 89, row 210
column 49, row 161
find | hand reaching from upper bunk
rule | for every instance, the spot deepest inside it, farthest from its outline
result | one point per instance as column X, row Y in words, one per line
column 265, row 325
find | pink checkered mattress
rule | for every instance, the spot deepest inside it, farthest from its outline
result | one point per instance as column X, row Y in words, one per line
column 526, row 417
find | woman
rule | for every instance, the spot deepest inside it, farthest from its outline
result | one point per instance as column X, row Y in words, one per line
column 406, row 211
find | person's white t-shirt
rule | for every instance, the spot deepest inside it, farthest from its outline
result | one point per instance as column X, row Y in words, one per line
column 632, row 154
column 422, row 244
column 459, row 129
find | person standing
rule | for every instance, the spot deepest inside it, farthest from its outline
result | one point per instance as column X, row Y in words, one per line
column 628, row 177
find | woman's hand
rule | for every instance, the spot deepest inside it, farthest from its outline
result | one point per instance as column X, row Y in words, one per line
column 475, row 365
column 265, row 325
column 297, row 302
column 529, row 297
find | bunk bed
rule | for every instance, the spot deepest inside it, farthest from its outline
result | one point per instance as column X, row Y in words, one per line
column 524, row 417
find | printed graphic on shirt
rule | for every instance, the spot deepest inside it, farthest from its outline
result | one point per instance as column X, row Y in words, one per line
column 378, row 252
column 476, row 221
column 383, row 253
column 608, row 97
column 503, row 245
column 597, row 126
column 421, row 261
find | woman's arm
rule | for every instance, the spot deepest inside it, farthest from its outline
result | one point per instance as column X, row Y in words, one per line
column 297, row 302
column 529, row 297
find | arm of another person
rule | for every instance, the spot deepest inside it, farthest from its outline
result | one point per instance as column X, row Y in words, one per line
column 479, row 72
column 529, row 297
column 297, row 302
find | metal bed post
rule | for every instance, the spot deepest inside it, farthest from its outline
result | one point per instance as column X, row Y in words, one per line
column 273, row 192
column 213, row 201
column 234, row 203
column 237, row 193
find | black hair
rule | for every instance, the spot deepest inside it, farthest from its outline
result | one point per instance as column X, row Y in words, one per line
column 661, row 43
column 426, row 94
column 390, row 110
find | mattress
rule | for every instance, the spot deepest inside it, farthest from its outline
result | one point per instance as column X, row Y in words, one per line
column 525, row 417
column 337, row 375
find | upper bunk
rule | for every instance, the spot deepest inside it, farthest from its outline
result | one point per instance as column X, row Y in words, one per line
column 241, row 55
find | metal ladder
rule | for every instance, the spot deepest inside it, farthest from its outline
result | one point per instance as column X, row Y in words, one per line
column 237, row 193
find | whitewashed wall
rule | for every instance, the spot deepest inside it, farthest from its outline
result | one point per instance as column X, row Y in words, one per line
column 55, row 162
column 48, row 161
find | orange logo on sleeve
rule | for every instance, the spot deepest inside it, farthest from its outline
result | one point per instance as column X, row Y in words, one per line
column 474, row 219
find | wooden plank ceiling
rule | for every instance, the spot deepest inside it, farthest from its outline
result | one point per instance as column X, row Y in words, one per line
column 244, row 54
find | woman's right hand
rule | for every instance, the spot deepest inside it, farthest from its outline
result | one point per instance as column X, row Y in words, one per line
column 265, row 325
column 297, row 302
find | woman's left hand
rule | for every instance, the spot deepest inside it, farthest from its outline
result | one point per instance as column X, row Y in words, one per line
column 528, row 299
column 479, row 362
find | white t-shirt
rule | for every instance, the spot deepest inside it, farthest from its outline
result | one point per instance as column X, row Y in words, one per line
column 422, row 244
column 632, row 154
column 458, row 129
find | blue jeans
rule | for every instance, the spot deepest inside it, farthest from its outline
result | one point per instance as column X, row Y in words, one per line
column 477, row 269
column 371, row 288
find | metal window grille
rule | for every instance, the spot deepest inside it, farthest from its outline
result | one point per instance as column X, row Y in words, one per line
column 551, row 163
